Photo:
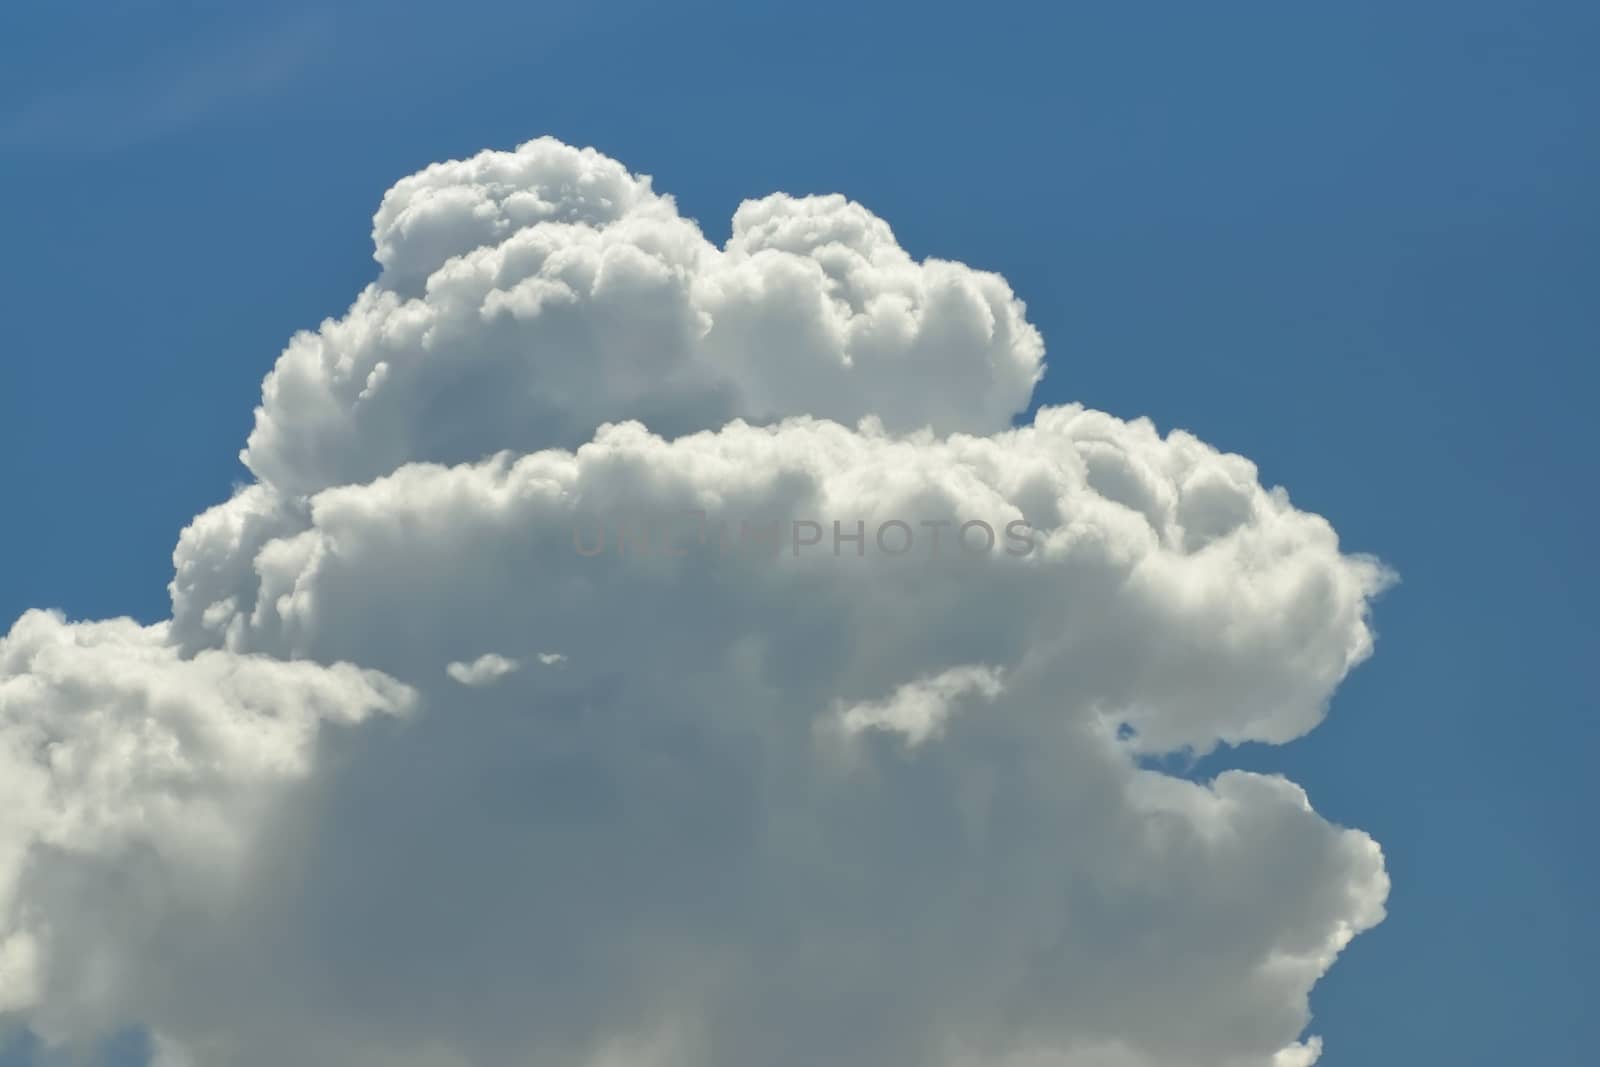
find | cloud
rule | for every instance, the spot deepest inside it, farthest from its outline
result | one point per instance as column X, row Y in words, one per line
column 133, row 782
column 484, row 670
column 106, row 113
column 918, row 709
column 819, row 804
column 811, row 308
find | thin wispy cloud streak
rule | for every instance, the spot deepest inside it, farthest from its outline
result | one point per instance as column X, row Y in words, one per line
column 193, row 82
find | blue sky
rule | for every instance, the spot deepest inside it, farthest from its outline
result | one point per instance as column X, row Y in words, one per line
column 1358, row 243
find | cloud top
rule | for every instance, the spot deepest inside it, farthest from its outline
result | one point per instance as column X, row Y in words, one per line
column 547, row 290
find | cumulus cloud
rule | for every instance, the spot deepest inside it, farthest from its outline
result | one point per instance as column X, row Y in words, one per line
column 780, row 807
column 133, row 781
column 549, row 290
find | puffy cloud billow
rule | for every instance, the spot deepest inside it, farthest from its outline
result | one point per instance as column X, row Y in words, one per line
column 407, row 779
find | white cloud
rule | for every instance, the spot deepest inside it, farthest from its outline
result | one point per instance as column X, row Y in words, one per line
column 549, row 290
column 655, row 855
column 917, row 710
column 133, row 784
column 485, row 670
